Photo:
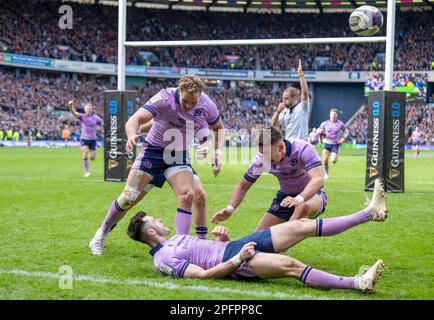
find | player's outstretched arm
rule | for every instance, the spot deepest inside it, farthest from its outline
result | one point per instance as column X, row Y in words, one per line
column 72, row 110
column 219, row 138
column 133, row 124
column 303, row 83
column 222, row 269
column 236, row 199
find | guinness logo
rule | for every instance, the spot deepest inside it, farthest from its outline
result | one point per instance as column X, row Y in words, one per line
column 393, row 173
column 373, row 172
column 112, row 164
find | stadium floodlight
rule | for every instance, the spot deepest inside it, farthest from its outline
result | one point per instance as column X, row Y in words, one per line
column 389, row 39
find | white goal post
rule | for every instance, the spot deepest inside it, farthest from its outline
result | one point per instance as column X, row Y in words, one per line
column 389, row 39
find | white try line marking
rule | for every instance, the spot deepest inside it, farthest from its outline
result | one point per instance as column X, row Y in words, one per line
column 170, row 285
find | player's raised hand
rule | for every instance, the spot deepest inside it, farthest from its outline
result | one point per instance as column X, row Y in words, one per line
column 221, row 215
column 131, row 142
column 217, row 163
column 70, row 104
column 247, row 251
column 221, row 233
column 299, row 69
column 290, row 202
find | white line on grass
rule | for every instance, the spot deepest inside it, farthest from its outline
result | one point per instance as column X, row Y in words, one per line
column 169, row 285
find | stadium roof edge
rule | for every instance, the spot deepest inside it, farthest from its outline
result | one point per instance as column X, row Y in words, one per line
column 263, row 6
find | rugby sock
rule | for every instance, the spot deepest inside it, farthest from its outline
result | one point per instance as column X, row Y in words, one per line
column 320, row 279
column 201, row 232
column 182, row 221
column 332, row 226
column 86, row 165
column 114, row 215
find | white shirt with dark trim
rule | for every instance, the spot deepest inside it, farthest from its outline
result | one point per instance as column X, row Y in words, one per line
column 292, row 171
column 295, row 121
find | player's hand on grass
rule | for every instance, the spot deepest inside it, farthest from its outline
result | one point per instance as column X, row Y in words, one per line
column 221, row 215
column 221, row 233
column 290, row 202
column 247, row 251
column 217, row 163
column 131, row 142
column 202, row 153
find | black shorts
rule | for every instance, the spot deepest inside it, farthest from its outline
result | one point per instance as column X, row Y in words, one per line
column 90, row 143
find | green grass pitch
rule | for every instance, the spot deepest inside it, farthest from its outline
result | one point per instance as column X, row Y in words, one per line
column 49, row 212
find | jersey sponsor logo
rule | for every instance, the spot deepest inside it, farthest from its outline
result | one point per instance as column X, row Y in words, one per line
column 165, row 269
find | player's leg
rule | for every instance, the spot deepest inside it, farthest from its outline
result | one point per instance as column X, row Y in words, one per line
column 181, row 180
column 276, row 213
column 268, row 220
column 334, row 158
column 92, row 150
column 271, row 265
column 311, row 208
column 199, row 208
column 132, row 193
column 325, row 158
column 85, row 157
column 286, row 235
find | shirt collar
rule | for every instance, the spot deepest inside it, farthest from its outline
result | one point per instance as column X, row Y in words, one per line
column 155, row 249
column 288, row 147
column 177, row 96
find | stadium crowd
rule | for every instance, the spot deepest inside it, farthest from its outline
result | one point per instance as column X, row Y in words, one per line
column 37, row 104
column 31, row 28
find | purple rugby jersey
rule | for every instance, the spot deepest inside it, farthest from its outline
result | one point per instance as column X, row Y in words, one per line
column 170, row 120
column 314, row 137
column 291, row 172
column 333, row 131
column 88, row 126
column 172, row 257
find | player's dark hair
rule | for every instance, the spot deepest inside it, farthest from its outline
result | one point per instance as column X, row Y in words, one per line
column 269, row 136
column 136, row 226
column 334, row 110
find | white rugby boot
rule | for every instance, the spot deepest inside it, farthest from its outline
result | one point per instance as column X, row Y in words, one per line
column 377, row 204
column 96, row 245
column 367, row 282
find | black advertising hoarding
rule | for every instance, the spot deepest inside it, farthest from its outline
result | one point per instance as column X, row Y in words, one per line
column 129, row 103
column 374, row 154
column 386, row 135
column 395, row 142
column 113, row 136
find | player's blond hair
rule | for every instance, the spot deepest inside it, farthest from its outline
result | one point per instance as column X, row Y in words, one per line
column 334, row 110
column 292, row 89
column 191, row 84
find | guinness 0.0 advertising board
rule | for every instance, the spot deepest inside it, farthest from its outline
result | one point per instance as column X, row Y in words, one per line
column 395, row 141
column 374, row 161
column 118, row 106
column 129, row 103
column 386, row 135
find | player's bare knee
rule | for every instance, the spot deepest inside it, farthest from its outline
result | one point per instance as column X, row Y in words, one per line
column 290, row 266
column 185, row 198
column 128, row 197
column 306, row 226
column 200, row 197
